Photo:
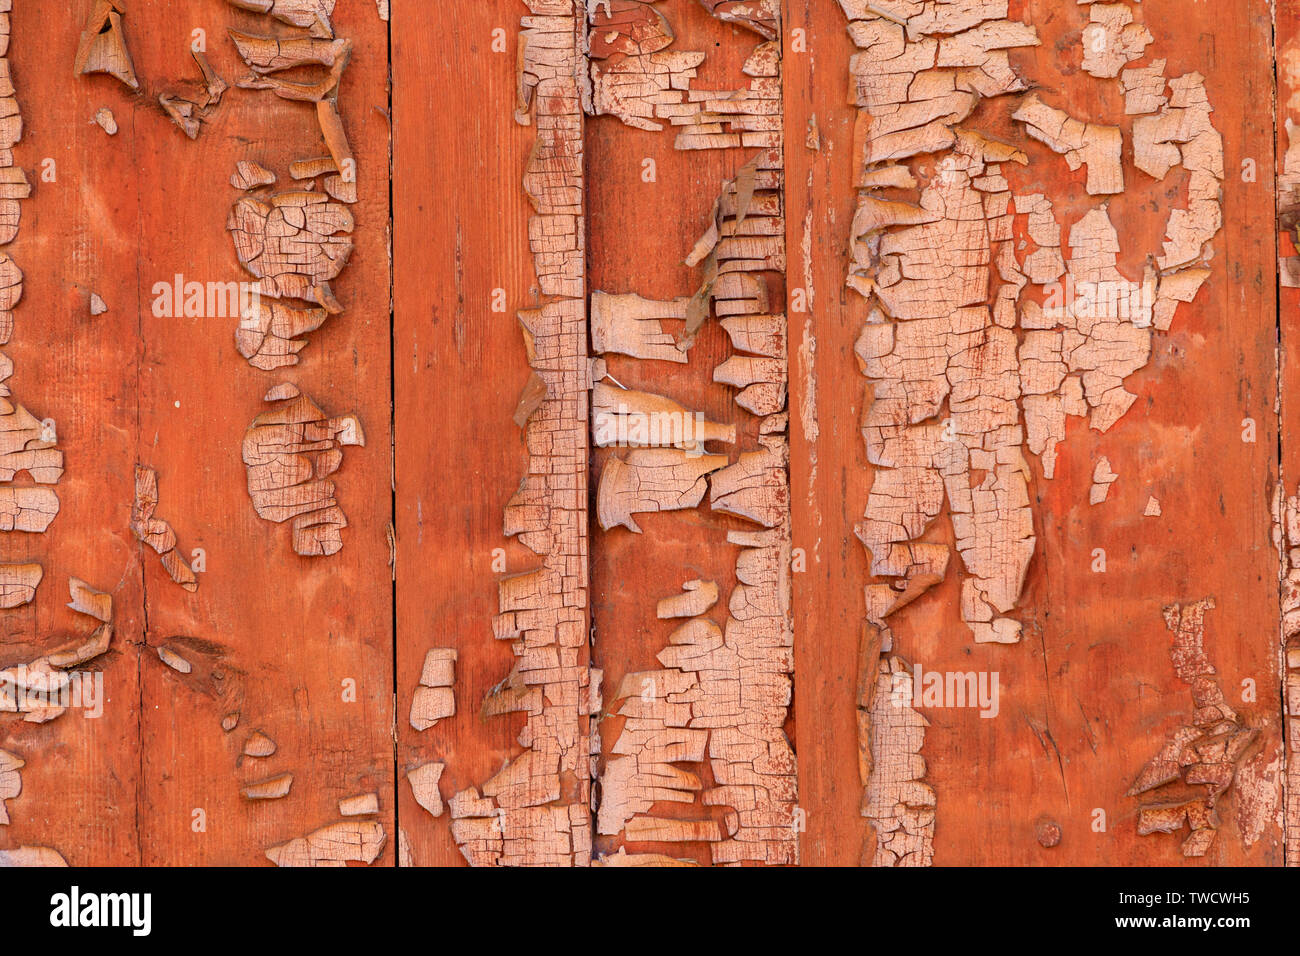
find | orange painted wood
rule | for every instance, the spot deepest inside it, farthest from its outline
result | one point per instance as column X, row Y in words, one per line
column 428, row 353
column 298, row 627
column 173, row 393
column 459, row 233
column 639, row 233
column 1089, row 695
column 829, row 474
column 81, row 786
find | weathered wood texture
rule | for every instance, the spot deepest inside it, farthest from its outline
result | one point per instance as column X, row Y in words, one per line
column 460, row 234
column 1088, row 695
column 813, row 188
column 171, row 391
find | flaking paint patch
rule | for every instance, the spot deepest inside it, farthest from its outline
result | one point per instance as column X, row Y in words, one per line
column 289, row 452
column 537, row 809
column 971, row 362
column 1200, row 761
column 722, row 694
column 157, row 533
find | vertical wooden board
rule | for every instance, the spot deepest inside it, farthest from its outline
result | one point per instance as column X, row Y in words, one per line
column 1109, row 684
column 653, row 199
column 1287, row 111
column 460, row 234
column 77, row 234
column 1089, row 695
column 829, row 474
column 307, row 640
column 639, row 234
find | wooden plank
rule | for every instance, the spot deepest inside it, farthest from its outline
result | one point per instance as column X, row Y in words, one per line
column 76, row 235
column 1089, row 695
column 1286, row 24
column 652, row 196
column 640, row 234
column 275, row 637
column 460, row 234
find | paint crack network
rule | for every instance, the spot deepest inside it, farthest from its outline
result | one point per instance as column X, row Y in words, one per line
column 983, row 338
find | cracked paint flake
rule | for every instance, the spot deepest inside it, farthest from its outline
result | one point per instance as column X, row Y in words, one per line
column 1184, row 781
column 1144, row 88
column 1082, row 144
column 290, row 452
column 11, row 782
column 338, row 844
column 29, row 856
column 424, row 785
column 361, row 805
column 630, row 27
column 102, row 48
column 647, row 480
column 631, row 325
column 265, row 55
column 1112, row 39
column 25, row 447
column 896, row 801
column 18, row 583
column 258, row 744
column 272, row 788
column 26, row 442
column 435, row 698
column 761, row 16
column 192, row 106
column 1102, row 479
column 14, row 188
column 27, row 509
column 294, row 244
column 38, row 688
column 697, row 598
column 11, row 281
column 311, row 15
column 175, row 661
column 106, row 120
column 624, row 417
column 155, row 532
column 271, row 334
column 250, row 175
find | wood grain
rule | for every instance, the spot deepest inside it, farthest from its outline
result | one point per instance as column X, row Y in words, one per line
column 428, row 352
